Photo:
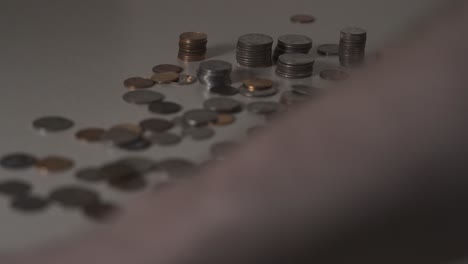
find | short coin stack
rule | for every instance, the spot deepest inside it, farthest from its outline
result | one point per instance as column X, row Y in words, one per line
column 192, row 46
column 352, row 46
column 295, row 65
column 292, row 43
column 254, row 51
column 213, row 73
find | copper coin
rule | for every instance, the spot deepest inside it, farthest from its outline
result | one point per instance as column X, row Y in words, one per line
column 257, row 84
column 193, row 37
column 185, row 79
column 165, row 77
column 302, row 19
column 54, row 164
column 225, row 90
column 142, row 97
column 167, row 68
column 224, row 120
column 138, row 83
column 90, row 135
column 156, row 125
column 74, row 196
column 334, row 75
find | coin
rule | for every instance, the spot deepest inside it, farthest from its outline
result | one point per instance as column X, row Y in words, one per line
column 199, row 117
column 302, row 19
column 100, row 211
column 254, row 51
column 224, row 120
column 90, row 135
column 225, row 90
column 165, row 139
column 334, row 75
column 140, row 164
column 156, row 125
column 200, row 133
column 214, row 73
column 292, row 43
column 128, row 127
column 223, row 105
column 263, row 108
column 142, row 97
column 119, row 136
column 138, row 144
column 259, row 93
column 328, row 49
column 295, row 65
column 185, row 79
column 52, row 124
column 117, row 169
column 15, row 188
column 138, row 83
column 74, row 196
column 192, row 46
column 17, row 161
column 130, row 181
column 177, row 167
column 193, row 36
column 167, row 68
column 164, row 107
column 255, row 84
column 89, row 175
column 29, row 203
column 54, row 164
column 165, row 77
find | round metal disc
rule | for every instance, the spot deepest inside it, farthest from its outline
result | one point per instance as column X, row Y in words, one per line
column 199, row 117
column 302, row 19
column 167, row 68
column 265, row 93
column 54, row 164
column 156, row 125
column 200, row 133
column 15, row 188
column 164, row 107
column 165, row 77
column 224, row 120
column 17, row 161
column 142, row 97
column 138, row 83
column 29, row 203
column 53, row 124
column 90, row 135
column 225, row 90
column 139, row 144
column 223, row 105
column 185, row 79
column 328, row 49
column 263, row 108
column 89, row 175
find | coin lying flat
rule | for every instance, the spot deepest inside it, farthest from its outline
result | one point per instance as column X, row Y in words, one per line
column 224, row 120
column 258, row 93
column 156, row 125
column 165, row 139
column 52, row 124
column 15, row 188
column 29, row 203
column 17, row 161
column 200, row 133
column 138, row 83
column 167, row 68
column 225, row 90
column 74, row 196
column 133, row 128
column 140, row 164
column 223, row 105
column 142, row 97
column 165, row 77
column 100, row 211
column 139, row 144
column 185, row 79
column 263, row 108
column 118, row 136
column 199, row 117
column 89, row 175
column 328, row 49
column 334, row 75
column 54, row 164
column 302, row 19
column 254, row 84
column 164, row 107
column 90, row 135
column 129, row 180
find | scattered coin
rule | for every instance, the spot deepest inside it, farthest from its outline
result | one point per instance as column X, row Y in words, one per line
column 263, row 108
column 328, row 49
column 119, row 136
column 255, row 84
column 140, row 164
column 100, row 211
column 139, row 144
column 258, row 93
column 130, row 181
column 167, row 68
column 165, row 77
column 74, row 196
column 177, row 167
column 138, row 83
column 165, row 139
column 225, row 90
column 334, row 75
column 142, row 97
column 118, row 169
column 164, row 107
column 192, row 46
column 156, row 125
column 224, row 120
column 133, row 128
column 222, row 149
column 89, row 175
column 17, row 161
column 29, row 203
column 186, row 79
column 15, row 188
column 223, row 105
column 52, row 124
column 200, row 133
column 90, row 135
column 54, row 164
column 199, row 117
column 302, row 19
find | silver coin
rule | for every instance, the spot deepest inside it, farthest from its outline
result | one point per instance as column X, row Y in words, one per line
column 263, row 108
column 258, row 93
column 223, row 105
column 200, row 133
column 295, row 40
column 53, row 124
column 255, row 39
column 139, row 144
column 296, row 59
column 17, row 161
column 215, row 66
column 354, row 31
column 142, row 97
column 165, row 139
column 199, row 117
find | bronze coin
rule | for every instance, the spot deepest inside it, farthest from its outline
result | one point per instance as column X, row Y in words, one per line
column 224, row 120
column 138, row 83
column 54, row 164
column 165, row 77
column 334, row 75
column 136, row 129
column 193, row 37
column 257, row 84
column 90, row 135
column 302, row 19
column 167, row 68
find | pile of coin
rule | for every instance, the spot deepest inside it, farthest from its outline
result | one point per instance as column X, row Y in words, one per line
column 255, row 50
column 192, row 46
column 213, row 73
column 352, row 46
column 295, row 65
column 292, row 43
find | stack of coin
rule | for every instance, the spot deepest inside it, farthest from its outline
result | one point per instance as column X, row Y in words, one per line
column 254, row 51
column 352, row 46
column 295, row 65
column 292, row 44
column 213, row 73
column 192, row 46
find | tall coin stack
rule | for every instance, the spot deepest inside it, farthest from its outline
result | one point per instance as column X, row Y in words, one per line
column 295, row 65
column 352, row 46
column 254, row 51
column 292, row 43
column 192, row 46
column 214, row 73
